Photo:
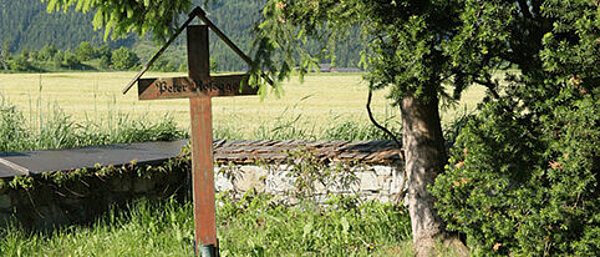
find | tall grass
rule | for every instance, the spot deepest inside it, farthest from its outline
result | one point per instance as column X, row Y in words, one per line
column 291, row 124
column 50, row 128
column 284, row 129
column 253, row 226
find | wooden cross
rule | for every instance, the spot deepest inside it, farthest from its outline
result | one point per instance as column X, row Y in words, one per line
column 199, row 83
column 199, row 87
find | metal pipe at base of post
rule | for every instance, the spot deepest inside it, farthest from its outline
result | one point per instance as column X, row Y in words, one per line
column 209, row 251
column 206, row 250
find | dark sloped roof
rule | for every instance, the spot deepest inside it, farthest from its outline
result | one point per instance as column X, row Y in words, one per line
column 36, row 162
column 244, row 151
column 236, row 151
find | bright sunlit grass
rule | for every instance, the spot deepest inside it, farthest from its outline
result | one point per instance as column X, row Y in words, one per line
column 253, row 226
column 321, row 100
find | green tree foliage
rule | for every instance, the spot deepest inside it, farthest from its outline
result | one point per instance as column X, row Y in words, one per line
column 34, row 55
column 523, row 176
column 26, row 23
column 103, row 51
column 49, row 58
column 104, row 62
column 124, row 59
column 121, row 17
column 24, row 20
column 4, row 56
column 85, row 51
column 427, row 52
column 414, row 49
column 70, row 60
column 527, row 183
column 19, row 63
column 47, row 52
column 163, row 64
column 527, row 187
column 58, row 59
column 235, row 18
column 213, row 65
column 411, row 51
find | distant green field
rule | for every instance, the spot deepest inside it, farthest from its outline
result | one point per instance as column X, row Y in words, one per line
column 321, row 100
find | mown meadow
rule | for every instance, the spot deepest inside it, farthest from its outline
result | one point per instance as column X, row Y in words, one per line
column 322, row 101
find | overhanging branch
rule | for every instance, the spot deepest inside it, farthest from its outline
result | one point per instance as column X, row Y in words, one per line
column 402, row 192
column 490, row 85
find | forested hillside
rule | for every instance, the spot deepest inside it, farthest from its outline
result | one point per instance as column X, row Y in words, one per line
column 25, row 25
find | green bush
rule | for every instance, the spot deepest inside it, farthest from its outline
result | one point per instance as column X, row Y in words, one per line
column 71, row 60
column 524, row 185
column 48, row 52
column 19, row 63
column 103, row 51
column 124, row 59
column 104, row 62
column 522, row 179
column 58, row 59
column 85, row 51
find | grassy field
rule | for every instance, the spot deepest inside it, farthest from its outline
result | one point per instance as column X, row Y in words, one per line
column 320, row 101
column 251, row 227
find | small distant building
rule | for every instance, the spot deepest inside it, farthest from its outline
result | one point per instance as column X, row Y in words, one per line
column 326, row 67
column 348, row 69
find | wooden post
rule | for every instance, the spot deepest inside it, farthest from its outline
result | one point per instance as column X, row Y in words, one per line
column 199, row 87
column 202, row 145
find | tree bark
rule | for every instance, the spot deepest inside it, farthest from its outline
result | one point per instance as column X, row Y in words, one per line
column 3, row 59
column 425, row 155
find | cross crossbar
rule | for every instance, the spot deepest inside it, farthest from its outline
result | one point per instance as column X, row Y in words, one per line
column 183, row 87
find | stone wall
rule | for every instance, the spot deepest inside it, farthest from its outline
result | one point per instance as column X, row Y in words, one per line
column 46, row 204
column 369, row 169
column 287, row 169
column 370, row 182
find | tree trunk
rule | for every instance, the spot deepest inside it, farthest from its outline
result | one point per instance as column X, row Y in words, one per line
column 3, row 59
column 425, row 155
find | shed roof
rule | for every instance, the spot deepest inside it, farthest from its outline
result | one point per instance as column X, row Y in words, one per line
column 235, row 151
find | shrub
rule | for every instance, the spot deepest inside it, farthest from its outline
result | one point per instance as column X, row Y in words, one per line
column 124, row 59
column 103, row 50
column 522, row 177
column 70, row 60
column 104, row 62
column 85, row 51
column 57, row 59
column 48, row 52
column 19, row 63
column 526, row 185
